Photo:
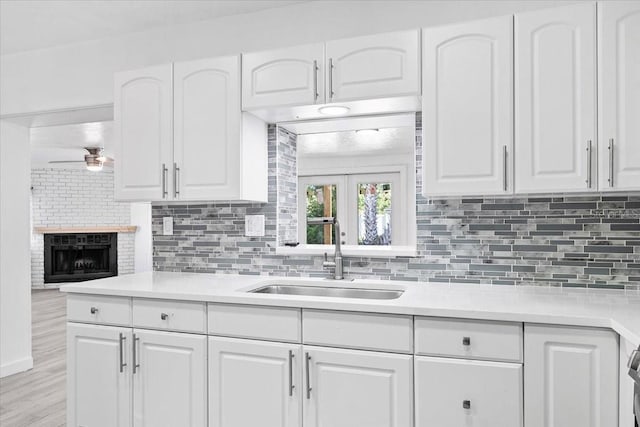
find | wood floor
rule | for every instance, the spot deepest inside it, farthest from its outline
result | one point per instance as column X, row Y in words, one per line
column 36, row 398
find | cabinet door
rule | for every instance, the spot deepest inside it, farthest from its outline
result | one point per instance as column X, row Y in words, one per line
column 467, row 108
column 346, row 388
column 570, row 376
column 290, row 76
column 619, row 89
column 206, row 129
column 254, row 383
column 143, row 139
column 555, row 99
column 378, row 66
column 170, row 379
column 458, row 392
column 98, row 376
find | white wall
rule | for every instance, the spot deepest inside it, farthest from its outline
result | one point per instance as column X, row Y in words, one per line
column 15, row 290
column 141, row 217
column 81, row 74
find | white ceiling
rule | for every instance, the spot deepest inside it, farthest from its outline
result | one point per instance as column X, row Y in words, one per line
column 37, row 24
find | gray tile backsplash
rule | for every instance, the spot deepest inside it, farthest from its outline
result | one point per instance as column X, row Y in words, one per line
column 573, row 241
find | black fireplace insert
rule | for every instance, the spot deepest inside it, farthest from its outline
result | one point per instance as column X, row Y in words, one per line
column 78, row 257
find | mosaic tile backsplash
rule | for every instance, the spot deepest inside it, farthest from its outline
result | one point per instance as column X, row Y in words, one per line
column 572, row 241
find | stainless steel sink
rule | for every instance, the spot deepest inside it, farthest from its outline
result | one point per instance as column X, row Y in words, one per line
column 328, row 291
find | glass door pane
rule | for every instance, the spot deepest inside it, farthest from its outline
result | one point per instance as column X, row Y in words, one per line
column 374, row 213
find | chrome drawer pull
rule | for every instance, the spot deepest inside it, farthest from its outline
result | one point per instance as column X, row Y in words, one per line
column 291, row 386
column 121, row 341
column 308, row 359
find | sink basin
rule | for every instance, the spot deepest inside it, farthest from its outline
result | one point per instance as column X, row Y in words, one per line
column 328, row 291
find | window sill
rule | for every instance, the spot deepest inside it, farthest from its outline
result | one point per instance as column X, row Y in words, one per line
column 350, row 251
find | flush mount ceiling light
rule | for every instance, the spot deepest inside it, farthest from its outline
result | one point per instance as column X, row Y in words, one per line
column 333, row 110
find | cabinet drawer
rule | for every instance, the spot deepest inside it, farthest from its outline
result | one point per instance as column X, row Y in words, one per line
column 456, row 392
column 99, row 309
column 262, row 323
column 469, row 339
column 368, row 331
column 182, row 316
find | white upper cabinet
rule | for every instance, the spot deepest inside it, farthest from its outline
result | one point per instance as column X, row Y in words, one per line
column 467, row 108
column 185, row 138
column 378, row 66
column 143, row 140
column 289, row 76
column 170, row 379
column 570, row 376
column 555, row 93
column 619, row 95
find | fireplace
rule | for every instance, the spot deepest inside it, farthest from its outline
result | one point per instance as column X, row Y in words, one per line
column 80, row 256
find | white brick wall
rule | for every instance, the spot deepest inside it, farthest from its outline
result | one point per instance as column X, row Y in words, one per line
column 76, row 197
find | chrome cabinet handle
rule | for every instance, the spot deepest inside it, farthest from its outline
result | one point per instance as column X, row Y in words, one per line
column 589, row 156
column 307, row 360
column 121, row 344
column 176, row 188
column 466, row 341
column 136, row 365
column 164, row 181
column 315, row 80
column 94, row 310
column 466, row 404
column 331, row 93
column 505, row 168
column 610, row 148
column 164, row 316
column 291, row 386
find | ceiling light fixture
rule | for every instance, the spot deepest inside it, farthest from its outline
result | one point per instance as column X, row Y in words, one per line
column 334, row 110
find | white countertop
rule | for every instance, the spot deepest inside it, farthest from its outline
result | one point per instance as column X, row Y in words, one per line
column 615, row 309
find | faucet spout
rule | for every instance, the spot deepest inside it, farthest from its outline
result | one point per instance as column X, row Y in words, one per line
column 338, row 262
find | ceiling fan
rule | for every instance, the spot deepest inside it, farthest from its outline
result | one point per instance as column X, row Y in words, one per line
column 95, row 160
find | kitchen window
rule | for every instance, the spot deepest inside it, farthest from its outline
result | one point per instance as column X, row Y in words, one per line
column 368, row 206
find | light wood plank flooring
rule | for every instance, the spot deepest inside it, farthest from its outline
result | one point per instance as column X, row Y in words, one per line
column 37, row 398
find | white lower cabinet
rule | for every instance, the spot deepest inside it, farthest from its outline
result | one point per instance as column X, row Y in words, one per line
column 459, row 392
column 98, row 376
column 120, row 376
column 254, row 383
column 347, row 388
column 570, row 376
column 169, row 379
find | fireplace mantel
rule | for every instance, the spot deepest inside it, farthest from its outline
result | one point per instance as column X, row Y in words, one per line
column 96, row 229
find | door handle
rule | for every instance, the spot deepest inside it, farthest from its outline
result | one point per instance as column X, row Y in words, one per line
column 588, row 181
column 176, row 188
column 331, row 93
column 307, row 361
column 164, row 181
column 136, row 365
column 291, row 386
column 505, row 169
column 315, row 80
column 121, row 344
column 610, row 148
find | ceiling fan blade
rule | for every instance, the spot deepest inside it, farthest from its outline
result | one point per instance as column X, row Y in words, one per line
column 67, row 161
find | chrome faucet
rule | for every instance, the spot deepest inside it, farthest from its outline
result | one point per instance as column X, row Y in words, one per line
column 337, row 263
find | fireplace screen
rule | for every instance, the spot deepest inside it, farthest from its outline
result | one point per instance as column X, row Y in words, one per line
column 78, row 257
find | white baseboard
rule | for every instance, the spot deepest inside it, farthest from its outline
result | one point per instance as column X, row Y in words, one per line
column 16, row 366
